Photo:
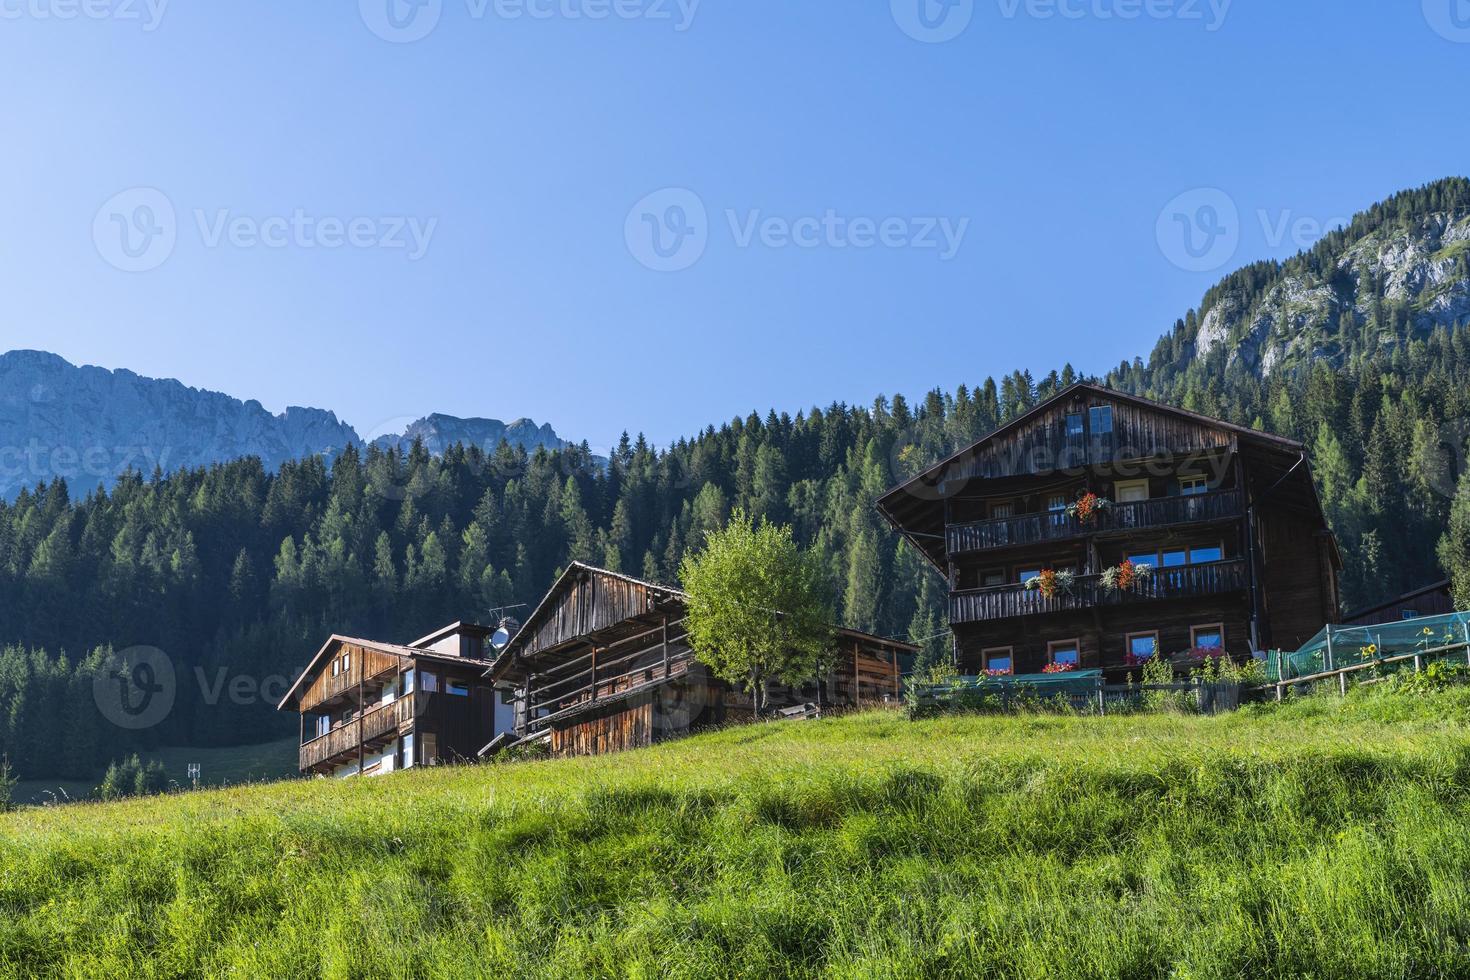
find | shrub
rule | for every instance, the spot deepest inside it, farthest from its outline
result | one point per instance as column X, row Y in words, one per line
column 7, row 784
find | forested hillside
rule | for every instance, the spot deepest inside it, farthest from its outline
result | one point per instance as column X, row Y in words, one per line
column 237, row 568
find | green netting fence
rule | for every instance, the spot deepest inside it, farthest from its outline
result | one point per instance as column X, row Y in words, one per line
column 1390, row 645
column 1077, row 687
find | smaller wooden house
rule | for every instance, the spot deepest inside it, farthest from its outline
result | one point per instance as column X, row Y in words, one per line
column 604, row 663
column 1432, row 600
column 371, row 707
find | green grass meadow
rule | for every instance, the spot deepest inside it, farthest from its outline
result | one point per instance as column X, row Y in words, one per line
column 1322, row 838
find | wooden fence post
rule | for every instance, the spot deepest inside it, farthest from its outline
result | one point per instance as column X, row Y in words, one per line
column 1102, row 704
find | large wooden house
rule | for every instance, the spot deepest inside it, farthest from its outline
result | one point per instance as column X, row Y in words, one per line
column 1226, row 518
column 604, row 663
column 371, row 707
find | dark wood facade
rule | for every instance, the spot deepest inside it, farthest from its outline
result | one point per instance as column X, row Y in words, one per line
column 1432, row 600
column 604, row 663
column 370, row 707
column 1227, row 517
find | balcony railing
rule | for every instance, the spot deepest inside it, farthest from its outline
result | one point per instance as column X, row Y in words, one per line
column 376, row 723
column 1005, row 602
column 1027, row 529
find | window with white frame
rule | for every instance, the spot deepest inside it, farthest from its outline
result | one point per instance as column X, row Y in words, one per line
column 1191, row 484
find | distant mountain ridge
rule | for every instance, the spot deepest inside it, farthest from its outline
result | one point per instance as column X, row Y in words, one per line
column 90, row 424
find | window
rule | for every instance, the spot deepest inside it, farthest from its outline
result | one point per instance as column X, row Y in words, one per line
column 407, row 759
column 1074, row 424
column 1211, row 637
column 346, row 662
column 1056, row 502
column 457, row 688
column 1151, row 559
column 999, row 659
column 428, row 681
column 429, row 749
column 1128, row 491
column 1142, row 646
column 1411, row 614
column 1203, row 556
column 1025, row 575
column 1067, row 653
column 1174, row 559
column 992, row 579
column 408, row 682
column 323, row 724
column 1190, row 486
column 1101, row 419
column 336, row 667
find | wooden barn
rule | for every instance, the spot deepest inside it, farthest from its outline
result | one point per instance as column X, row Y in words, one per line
column 604, row 663
column 1040, row 527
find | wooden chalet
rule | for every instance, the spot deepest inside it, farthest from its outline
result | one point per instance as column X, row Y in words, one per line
column 604, row 663
column 1431, row 600
column 1227, row 518
column 370, row 707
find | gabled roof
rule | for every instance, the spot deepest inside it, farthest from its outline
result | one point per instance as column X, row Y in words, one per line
column 915, row 507
column 451, row 629
column 1087, row 386
column 575, row 572
column 337, row 640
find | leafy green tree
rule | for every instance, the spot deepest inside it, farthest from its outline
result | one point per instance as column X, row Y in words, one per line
column 758, row 608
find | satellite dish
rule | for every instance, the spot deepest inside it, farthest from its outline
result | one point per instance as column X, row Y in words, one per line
column 504, row 633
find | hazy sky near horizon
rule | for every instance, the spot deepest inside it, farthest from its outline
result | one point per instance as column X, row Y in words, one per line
column 659, row 214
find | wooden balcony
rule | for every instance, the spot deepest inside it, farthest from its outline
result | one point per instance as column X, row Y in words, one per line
column 378, row 724
column 1006, row 602
column 1030, row 529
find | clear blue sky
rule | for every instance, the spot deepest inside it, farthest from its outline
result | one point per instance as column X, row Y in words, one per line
column 1059, row 133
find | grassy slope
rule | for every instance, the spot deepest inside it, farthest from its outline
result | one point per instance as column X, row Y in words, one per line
column 1323, row 837
column 221, row 767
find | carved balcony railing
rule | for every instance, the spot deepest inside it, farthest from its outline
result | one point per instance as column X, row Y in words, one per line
column 1006, row 602
column 1028, row 529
